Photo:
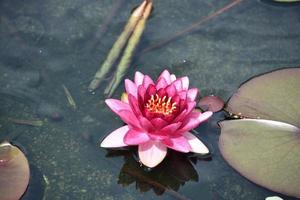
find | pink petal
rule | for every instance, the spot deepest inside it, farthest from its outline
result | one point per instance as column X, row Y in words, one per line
column 158, row 123
column 173, row 77
column 171, row 128
column 182, row 94
column 162, row 92
column 196, row 145
column 171, row 90
column 134, row 105
column 166, row 75
column 146, row 124
column 157, row 136
column 141, row 93
column 178, row 84
column 192, row 94
column 161, row 83
column 147, row 81
column 115, row 138
column 129, row 118
column 131, row 88
column 190, row 107
column 117, row 105
column 194, row 119
column 151, row 90
column 152, row 153
column 138, row 78
column 134, row 137
column 124, row 111
column 178, row 143
column 185, row 82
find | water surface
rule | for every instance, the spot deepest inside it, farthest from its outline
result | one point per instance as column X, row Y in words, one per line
column 45, row 45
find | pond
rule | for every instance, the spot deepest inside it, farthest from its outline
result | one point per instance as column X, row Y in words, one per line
column 49, row 45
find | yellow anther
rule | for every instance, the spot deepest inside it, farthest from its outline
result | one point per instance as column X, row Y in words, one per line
column 159, row 105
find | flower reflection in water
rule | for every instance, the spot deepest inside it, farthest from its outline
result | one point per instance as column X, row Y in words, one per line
column 168, row 177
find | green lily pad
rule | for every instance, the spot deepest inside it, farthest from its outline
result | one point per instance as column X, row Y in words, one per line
column 264, row 151
column 274, row 96
column 265, row 147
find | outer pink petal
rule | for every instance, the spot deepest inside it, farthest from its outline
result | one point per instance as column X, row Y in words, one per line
column 147, row 81
column 194, row 119
column 178, row 143
column 138, row 78
column 131, row 88
column 185, row 82
column 129, row 118
column 134, row 137
column 115, row 138
column 196, row 145
column 173, row 77
column 117, row 105
column 166, row 75
column 152, row 153
column 161, row 83
column 134, row 104
column 178, row 84
column 192, row 94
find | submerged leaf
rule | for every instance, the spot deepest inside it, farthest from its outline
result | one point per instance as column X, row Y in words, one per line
column 14, row 172
column 266, row 148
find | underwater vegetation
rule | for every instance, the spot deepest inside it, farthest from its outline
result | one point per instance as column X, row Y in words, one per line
column 130, row 37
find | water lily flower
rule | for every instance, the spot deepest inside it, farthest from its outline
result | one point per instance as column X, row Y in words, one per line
column 158, row 116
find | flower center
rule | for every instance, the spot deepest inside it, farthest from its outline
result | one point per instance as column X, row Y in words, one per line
column 159, row 105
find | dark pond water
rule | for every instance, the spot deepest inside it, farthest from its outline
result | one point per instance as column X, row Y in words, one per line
column 47, row 44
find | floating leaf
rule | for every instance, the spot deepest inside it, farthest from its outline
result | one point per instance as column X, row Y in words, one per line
column 273, row 198
column 212, row 103
column 266, row 149
column 274, row 96
column 14, row 172
column 287, row 1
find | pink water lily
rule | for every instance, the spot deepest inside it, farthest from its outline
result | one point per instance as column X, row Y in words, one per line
column 158, row 116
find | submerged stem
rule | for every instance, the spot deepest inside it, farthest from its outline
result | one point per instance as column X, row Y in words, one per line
column 128, row 52
column 117, row 47
column 191, row 28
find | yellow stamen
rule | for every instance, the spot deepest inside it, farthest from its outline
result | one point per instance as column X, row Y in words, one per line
column 159, row 105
